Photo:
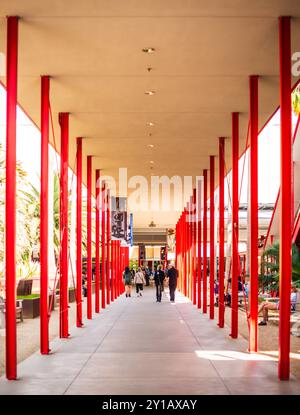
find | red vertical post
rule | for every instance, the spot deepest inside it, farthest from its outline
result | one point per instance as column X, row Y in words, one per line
column 79, row 234
column 184, row 226
column 89, row 237
column 235, row 225
column 194, row 241
column 44, row 294
column 64, row 194
column 10, row 196
column 205, row 241
column 221, row 230
column 107, row 247
column 286, row 197
column 97, row 243
column 253, row 264
column 199, row 259
column 103, row 284
column 113, row 269
column 212, row 238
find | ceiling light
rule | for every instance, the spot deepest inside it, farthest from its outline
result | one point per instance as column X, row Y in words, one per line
column 152, row 224
column 150, row 124
column 148, row 50
column 150, row 92
column 150, row 146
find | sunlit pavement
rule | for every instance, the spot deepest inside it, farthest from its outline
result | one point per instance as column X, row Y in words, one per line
column 138, row 346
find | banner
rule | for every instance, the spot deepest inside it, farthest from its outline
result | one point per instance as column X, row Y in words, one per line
column 120, row 226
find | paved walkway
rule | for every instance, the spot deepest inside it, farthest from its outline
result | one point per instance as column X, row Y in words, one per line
column 138, row 346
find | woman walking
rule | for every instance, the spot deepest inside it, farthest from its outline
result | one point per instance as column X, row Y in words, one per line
column 139, row 281
column 127, row 276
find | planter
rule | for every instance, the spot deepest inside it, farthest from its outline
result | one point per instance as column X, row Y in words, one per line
column 24, row 287
column 72, row 295
column 31, row 307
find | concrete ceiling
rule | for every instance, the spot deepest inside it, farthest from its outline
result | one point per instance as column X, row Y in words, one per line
column 204, row 53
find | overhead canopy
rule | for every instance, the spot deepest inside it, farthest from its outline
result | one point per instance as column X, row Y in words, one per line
column 204, row 53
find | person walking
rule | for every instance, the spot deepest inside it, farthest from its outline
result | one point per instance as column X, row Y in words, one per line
column 127, row 277
column 139, row 281
column 172, row 275
column 159, row 277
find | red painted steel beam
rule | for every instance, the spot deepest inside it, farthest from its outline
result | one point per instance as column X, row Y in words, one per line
column 253, row 263
column 212, row 238
column 235, row 225
column 194, row 242
column 97, row 243
column 10, row 196
column 79, row 234
column 199, row 259
column 113, row 269
column 44, row 200
column 64, row 194
column 286, row 218
column 103, row 241
column 205, row 241
column 221, row 230
column 107, row 247
column 89, row 237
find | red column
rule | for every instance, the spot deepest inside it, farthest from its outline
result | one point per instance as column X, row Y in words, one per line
column 205, row 241
column 235, row 225
column 97, row 243
column 194, row 241
column 221, row 230
column 10, row 197
column 79, row 234
column 113, row 269
column 286, row 196
column 64, row 194
column 103, row 284
column 253, row 263
column 89, row 237
column 184, row 225
column 107, row 247
column 212, row 238
column 44, row 295
column 199, row 266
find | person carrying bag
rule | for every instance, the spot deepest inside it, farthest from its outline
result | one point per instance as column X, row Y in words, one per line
column 139, row 281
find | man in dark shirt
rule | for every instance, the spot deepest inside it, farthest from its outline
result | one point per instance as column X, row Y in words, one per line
column 173, row 275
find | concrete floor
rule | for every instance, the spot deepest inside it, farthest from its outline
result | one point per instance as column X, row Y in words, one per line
column 138, row 346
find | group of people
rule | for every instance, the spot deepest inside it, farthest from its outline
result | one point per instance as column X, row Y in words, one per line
column 142, row 277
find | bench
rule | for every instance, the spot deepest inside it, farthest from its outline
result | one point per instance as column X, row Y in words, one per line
column 19, row 309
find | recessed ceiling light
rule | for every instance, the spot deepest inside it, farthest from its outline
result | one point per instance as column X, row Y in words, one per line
column 150, row 92
column 148, row 50
column 151, row 162
column 150, row 124
column 150, row 146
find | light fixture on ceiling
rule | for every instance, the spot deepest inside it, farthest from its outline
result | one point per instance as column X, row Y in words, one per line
column 151, row 162
column 148, row 50
column 152, row 224
column 150, row 124
column 150, row 145
column 150, row 92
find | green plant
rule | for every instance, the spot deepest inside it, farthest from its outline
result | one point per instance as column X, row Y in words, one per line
column 271, row 278
column 296, row 100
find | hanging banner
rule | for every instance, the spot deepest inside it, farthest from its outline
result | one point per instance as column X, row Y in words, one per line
column 171, row 240
column 120, row 228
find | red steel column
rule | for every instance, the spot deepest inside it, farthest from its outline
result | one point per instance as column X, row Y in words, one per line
column 10, row 197
column 286, row 197
column 194, row 241
column 205, row 241
column 79, row 234
column 184, row 252
column 253, row 263
column 212, row 238
column 113, row 269
column 89, row 237
column 103, row 284
column 107, row 247
column 44, row 294
column 235, row 225
column 199, row 266
column 221, row 230
column 97, row 243
column 64, row 194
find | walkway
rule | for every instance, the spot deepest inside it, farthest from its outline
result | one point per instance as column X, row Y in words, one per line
column 137, row 346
